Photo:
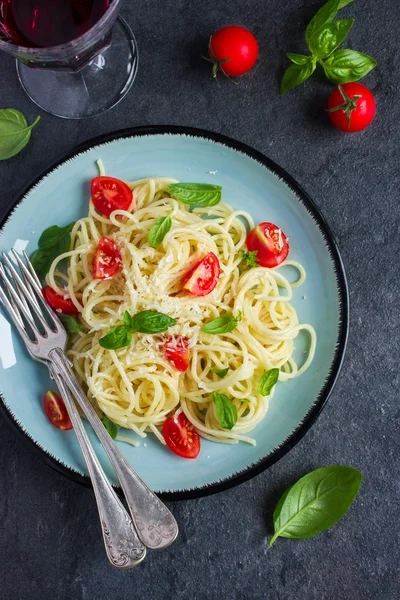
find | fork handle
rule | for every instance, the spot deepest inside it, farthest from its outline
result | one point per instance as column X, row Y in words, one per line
column 155, row 525
column 122, row 545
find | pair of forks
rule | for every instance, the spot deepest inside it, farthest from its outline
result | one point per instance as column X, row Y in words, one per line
column 150, row 523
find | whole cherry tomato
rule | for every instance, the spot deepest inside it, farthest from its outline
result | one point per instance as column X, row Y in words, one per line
column 351, row 107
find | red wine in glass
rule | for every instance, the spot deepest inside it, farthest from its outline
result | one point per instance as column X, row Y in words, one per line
column 47, row 23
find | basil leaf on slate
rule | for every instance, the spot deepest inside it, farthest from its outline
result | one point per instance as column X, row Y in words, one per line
column 151, row 321
column 111, row 427
column 158, row 232
column 297, row 74
column 267, row 382
column 347, row 65
column 71, row 325
column 53, row 242
column 316, row 502
column 220, row 372
column 327, row 39
column 325, row 15
column 15, row 132
column 223, row 324
column 196, row 193
column 117, row 337
column 298, row 59
column 226, row 410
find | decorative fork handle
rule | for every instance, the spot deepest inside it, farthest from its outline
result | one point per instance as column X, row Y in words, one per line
column 123, row 547
column 155, row 525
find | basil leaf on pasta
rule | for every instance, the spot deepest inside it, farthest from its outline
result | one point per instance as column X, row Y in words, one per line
column 158, row 232
column 222, row 324
column 111, row 427
column 150, row 321
column 220, row 372
column 71, row 325
column 226, row 410
column 267, row 382
column 117, row 337
column 196, row 193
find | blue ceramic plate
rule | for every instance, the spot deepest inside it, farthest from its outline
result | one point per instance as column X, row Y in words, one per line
column 249, row 181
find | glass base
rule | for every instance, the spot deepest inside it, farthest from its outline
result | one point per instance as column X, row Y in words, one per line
column 96, row 88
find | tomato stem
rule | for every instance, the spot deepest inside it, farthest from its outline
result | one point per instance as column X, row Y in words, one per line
column 348, row 105
column 217, row 64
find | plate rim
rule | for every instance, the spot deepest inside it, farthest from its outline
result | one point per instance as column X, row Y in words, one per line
column 299, row 432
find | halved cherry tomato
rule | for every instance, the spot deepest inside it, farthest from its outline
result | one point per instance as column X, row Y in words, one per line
column 56, row 412
column 58, row 303
column 110, row 194
column 177, row 352
column 180, row 436
column 107, row 260
column 204, row 277
column 270, row 243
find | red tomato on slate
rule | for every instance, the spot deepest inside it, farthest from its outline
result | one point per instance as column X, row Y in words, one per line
column 270, row 243
column 58, row 303
column 351, row 107
column 233, row 50
column 204, row 277
column 110, row 194
column 108, row 260
column 56, row 412
column 180, row 436
column 177, row 352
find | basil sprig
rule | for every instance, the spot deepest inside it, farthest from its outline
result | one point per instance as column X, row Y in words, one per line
column 111, row 427
column 316, row 502
column 323, row 37
column 146, row 321
column 159, row 230
column 71, row 325
column 53, row 242
column 15, row 132
column 196, row 193
column 220, row 372
column 226, row 410
column 250, row 258
column 267, row 382
column 222, row 324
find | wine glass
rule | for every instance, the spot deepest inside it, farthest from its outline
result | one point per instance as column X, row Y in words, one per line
column 75, row 58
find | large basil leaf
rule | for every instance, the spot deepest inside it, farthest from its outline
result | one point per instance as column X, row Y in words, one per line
column 347, row 65
column 325, row 15
column 226, row 410
column 53, row 242
column 316, row 502
column 117, row 337
column 327, row 39
column 15, row 132
column 196, row 193
column 267, row 382
column 296, row 74
column 148, row 321
column 223, row 324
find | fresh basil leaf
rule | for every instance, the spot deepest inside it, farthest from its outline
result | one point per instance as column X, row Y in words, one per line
column 117, row 337
column 220, row 372
column 151, row 321
column 347, row 65
column 226, row 410
column 71, row 325
column 54, row 235
column 298, row 59
column 329, row 37
column 316, row 502
column 128, row 321
column 344, row 3
column 222, row 324
column 324, row 16
column 196, row 193
column 297, row 74
column 267, row 382
column 158, row 232
column 41, row 262
column 15, row 132
column 111, row 427
column 250, row 258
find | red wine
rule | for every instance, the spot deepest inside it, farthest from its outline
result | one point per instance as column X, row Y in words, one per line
column 46, row 23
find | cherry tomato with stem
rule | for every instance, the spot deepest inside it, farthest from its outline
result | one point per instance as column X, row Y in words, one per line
column 107, row 260
column 351, row 107
column 233, row 51
column 181, row 437
column 270, row 243
column 109, row 194
column 203, row 278
column 56, row 412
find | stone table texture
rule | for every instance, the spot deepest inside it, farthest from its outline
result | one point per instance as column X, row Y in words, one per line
column 50, row 544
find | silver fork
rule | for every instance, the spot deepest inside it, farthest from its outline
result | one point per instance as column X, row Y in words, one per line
column 155, row 525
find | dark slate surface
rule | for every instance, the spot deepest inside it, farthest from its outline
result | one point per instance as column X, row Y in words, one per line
column 50, row 544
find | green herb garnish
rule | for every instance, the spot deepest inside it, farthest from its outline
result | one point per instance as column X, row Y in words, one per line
column 158, row 232
column 15, row 132
column 111, row 427
column 316, row 502
column 223, row 324
column 220, row 372
column 226, row 410
column 118, row 337
column 250, row 258
column 71, row 325
column 323, row 36
column 196, row 193
column 53, row 242
column 146, row 321
column 267, row 382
